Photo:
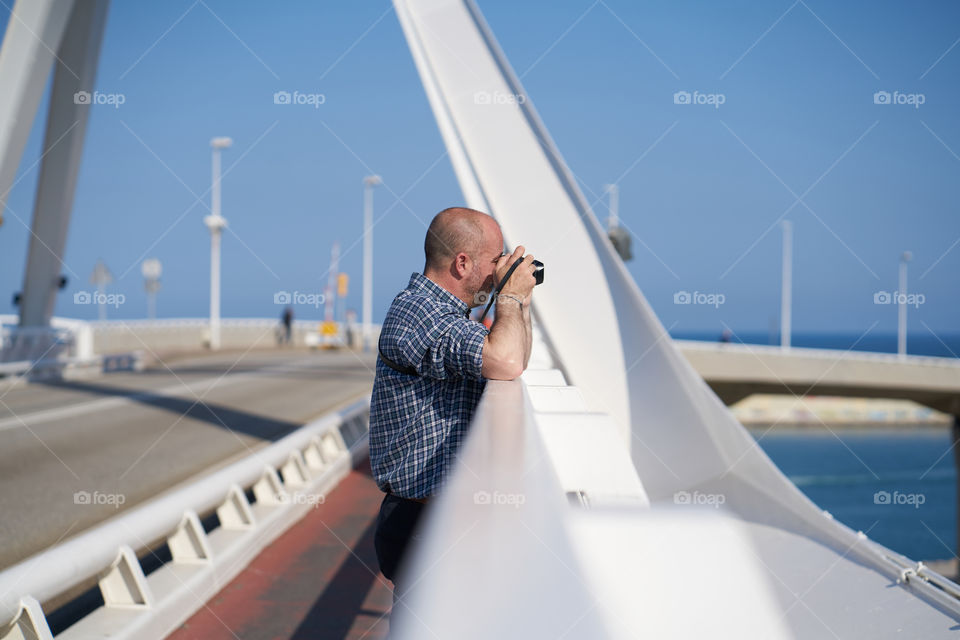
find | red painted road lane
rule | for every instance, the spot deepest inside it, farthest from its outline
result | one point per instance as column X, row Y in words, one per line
column 319, row 580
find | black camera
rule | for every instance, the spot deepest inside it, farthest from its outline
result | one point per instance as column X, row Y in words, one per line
column 538, row 274
column 537, row 277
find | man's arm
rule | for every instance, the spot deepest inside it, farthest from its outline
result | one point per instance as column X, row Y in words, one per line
column 506, row 349
column 528, row 326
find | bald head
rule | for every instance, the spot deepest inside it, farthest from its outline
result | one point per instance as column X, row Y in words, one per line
column 457, row 230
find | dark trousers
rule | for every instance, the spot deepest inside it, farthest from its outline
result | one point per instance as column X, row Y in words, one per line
column 396, row 524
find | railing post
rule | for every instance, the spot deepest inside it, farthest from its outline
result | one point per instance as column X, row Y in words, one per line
column 235, row 512
column 955, row 433
column 123, row 585
column 30, row 624
column 188, row 544
column 268, row 489
column 294, row 471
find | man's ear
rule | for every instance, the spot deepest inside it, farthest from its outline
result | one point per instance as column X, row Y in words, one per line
column 462, row 264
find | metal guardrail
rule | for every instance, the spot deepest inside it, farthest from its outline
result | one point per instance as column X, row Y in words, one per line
column 192, row 333
column 63, row 339
column 116, row 345
column 811, row 352
column 285, row 478
column 115, row 362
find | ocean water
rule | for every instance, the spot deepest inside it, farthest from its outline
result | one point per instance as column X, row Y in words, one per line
column 896, row 485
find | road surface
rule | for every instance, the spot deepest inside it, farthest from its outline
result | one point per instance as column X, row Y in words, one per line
column 73, row 453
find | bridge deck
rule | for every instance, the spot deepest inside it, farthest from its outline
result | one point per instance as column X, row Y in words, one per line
column 318, row 580
column 125, row 438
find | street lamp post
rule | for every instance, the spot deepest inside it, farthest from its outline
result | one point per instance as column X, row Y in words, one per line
column 786, row 285
column 101, row 277
column 151, row 270
column 614, row 220
column 369, row 182
column 619, row 236
column 905, row 257
column 215, row 222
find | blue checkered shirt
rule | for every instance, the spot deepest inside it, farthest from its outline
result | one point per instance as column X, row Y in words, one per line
column 417, row 423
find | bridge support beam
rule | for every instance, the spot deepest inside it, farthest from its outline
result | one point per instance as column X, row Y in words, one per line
column 40, row 33
column 78, row 53
column 33, row 32
column 956, row 460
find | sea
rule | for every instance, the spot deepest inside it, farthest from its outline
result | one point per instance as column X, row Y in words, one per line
column 896, row 484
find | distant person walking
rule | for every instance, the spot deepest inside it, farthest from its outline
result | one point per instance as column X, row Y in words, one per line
column 433, row 366
column 286, row 322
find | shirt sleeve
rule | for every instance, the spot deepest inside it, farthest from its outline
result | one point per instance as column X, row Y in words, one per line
column 448, row 346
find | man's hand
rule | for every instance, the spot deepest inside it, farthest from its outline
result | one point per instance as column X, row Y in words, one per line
column 521, row 281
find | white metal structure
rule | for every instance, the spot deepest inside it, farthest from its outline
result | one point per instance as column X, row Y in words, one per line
column 45, row 35
column 608, row 342
column 330, row 293
column 215, row 223
column 151, row 269
column 369, row 183
column 69, row 343
column 287, row 478
column 614, row 220
column 786, row 285
column 100, row 278
column 506, row 164
column 902, row 305
column 508, row 557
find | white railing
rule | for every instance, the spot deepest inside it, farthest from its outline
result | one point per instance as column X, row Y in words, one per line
column 286, row 478
column 64, row 341
column 544, row 531
column 193, row 333
column 124, row 344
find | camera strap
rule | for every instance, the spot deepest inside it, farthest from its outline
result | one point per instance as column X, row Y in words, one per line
column 410, row 371
column 496, row 290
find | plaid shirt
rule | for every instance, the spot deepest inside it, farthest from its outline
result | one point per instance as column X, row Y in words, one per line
column 417, row 423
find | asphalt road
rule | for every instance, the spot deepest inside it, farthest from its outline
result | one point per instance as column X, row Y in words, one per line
column 124, row 438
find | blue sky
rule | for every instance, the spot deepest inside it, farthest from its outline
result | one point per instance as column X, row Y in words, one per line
column 701, row 186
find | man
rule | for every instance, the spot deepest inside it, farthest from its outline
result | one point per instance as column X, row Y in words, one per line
column 433, row 365
column 287, row 321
